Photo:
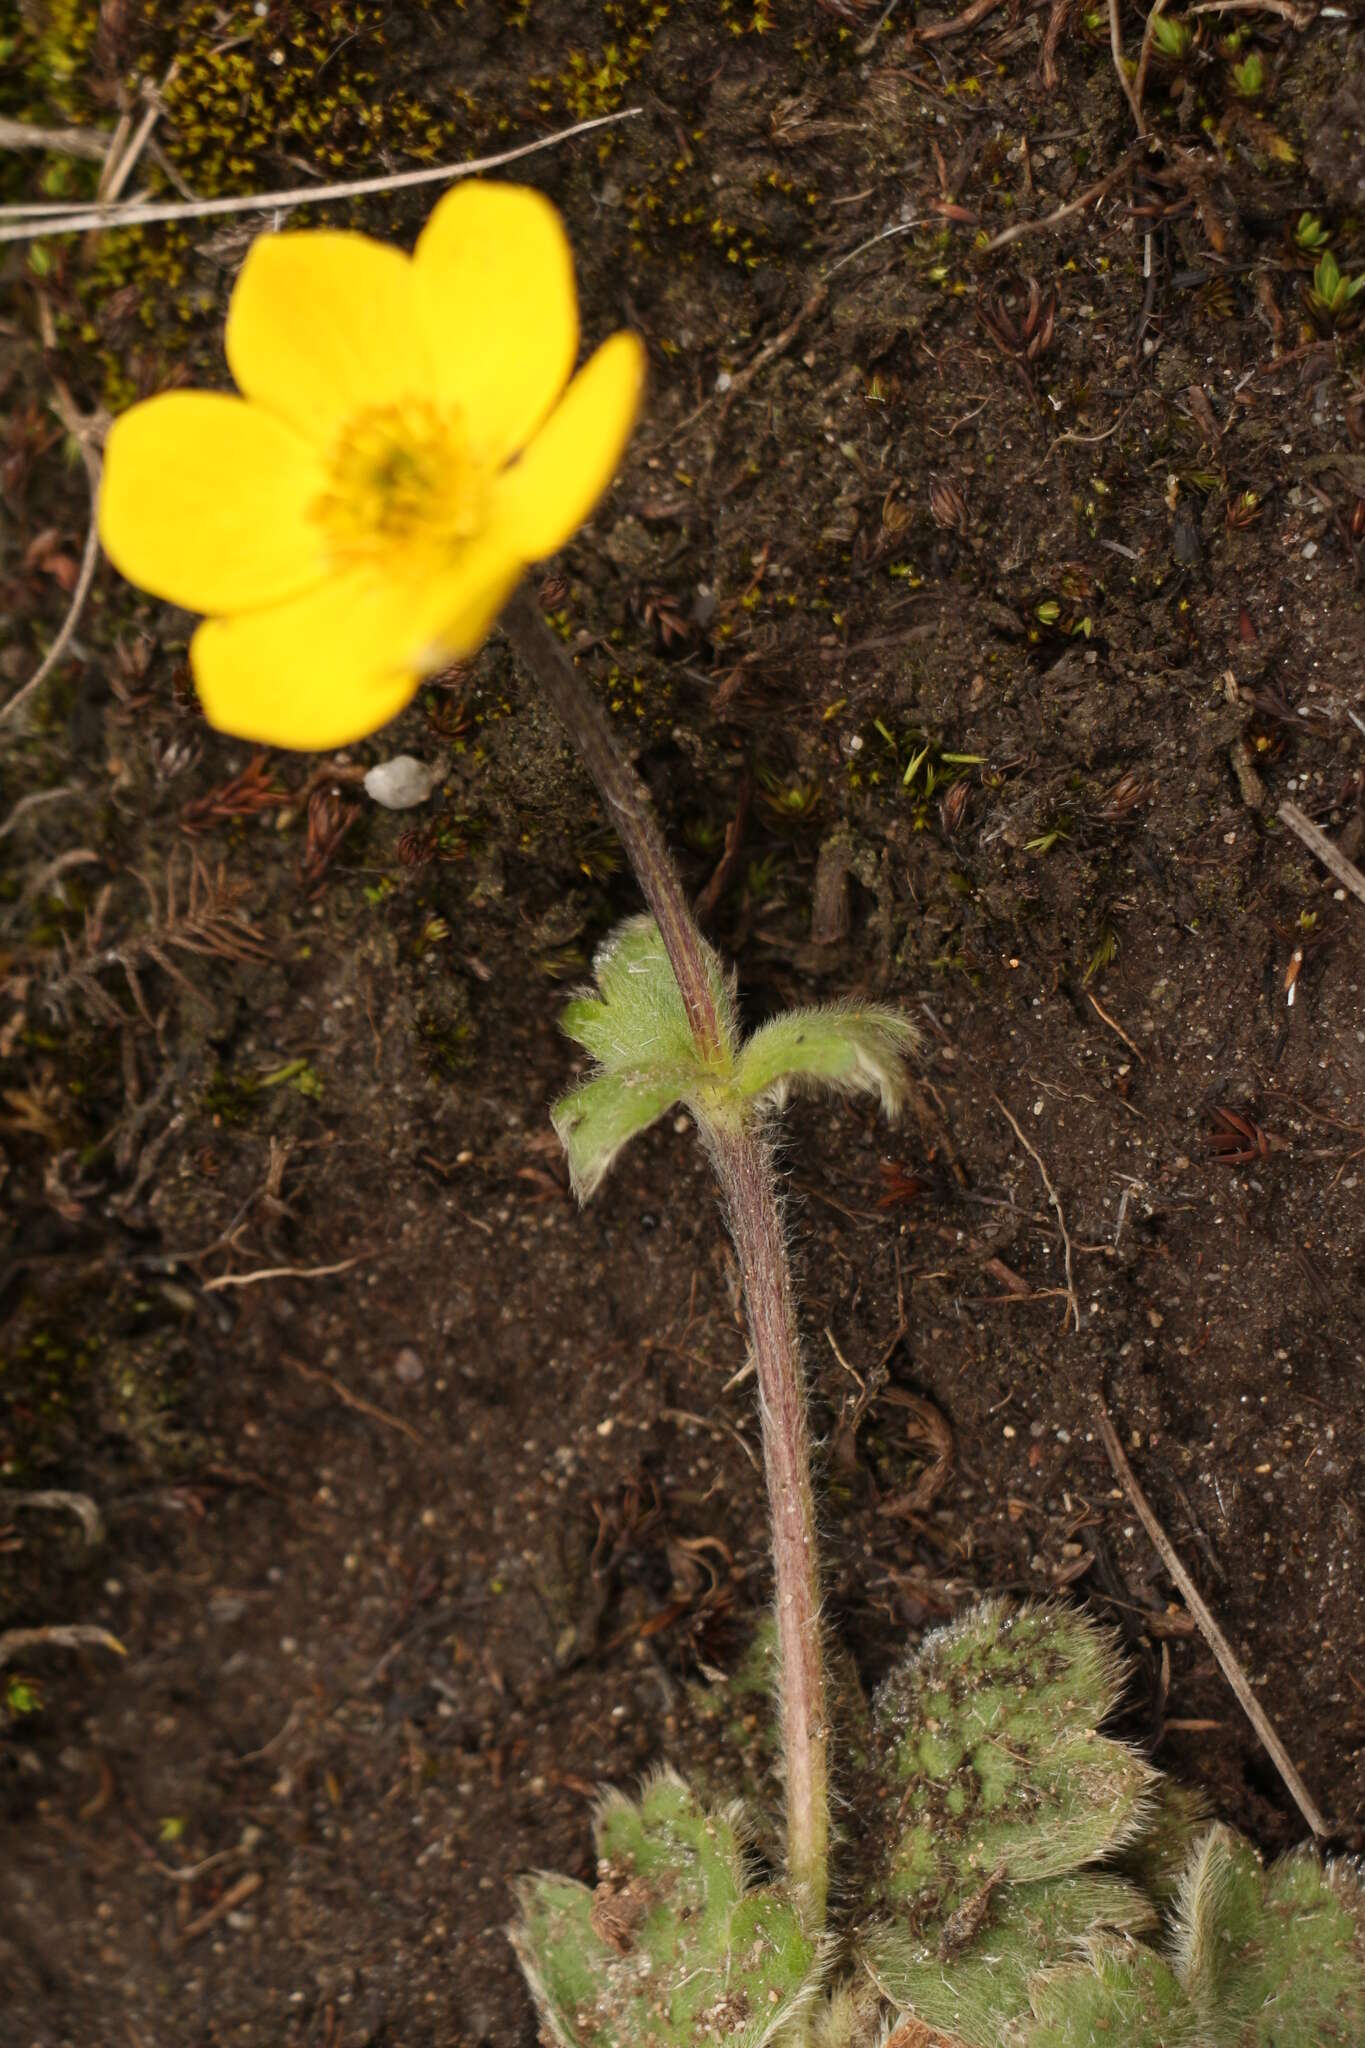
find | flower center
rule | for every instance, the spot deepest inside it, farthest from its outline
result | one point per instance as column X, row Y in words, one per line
column 402, row 475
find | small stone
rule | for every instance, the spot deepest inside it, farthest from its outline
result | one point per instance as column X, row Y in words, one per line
column 408, row 1367
column 403, row 782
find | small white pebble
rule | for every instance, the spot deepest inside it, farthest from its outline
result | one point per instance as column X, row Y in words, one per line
column 401, row 783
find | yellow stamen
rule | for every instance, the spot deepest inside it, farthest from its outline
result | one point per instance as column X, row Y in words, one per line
column 402, row 475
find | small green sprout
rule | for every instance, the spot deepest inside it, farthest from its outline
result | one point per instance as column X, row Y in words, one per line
column 1172, row 38
column 22, row 1697
column 1331, row 295
column 1310, row 235
column 1106, row 951
column 790, row 802
column 1248, row 77
column 1045, row 841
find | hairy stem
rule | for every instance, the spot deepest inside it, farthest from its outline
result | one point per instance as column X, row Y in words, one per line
column 628, row 806
column 748, row 1179
column 744, row 1166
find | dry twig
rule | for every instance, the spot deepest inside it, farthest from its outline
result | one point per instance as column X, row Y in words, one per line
column 1073, row 1301
column 1145, row 58
column 78, row 1504
column 1120, row 68
column 75, row 1635
column 1052, row 36
column 280, row 1273
column 1115, row 1027
column 1052, row 220
column 236, row 1895
column 1301, row 17
column 87, row 142
column 137, row 211
column 968, row 18
column 1208, row 1627
column 343, row 1392
column 82, row 428
column 1332, row 858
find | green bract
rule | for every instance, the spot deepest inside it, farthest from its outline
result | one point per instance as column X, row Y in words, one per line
column 636, row 1028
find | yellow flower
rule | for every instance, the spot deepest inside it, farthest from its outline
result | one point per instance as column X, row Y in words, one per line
column 404, row 445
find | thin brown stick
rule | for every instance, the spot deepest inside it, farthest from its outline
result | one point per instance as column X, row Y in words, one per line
column 81, row 426
column 87, row 142
column 1302, row 17
column 136, row 211
column 280, row 1273
column 35, row 800
column 1208, row 1627
column 742, row 379
column 1332, row 858
column 1073, row 1302
column 960, row 23
column 236, row 1895
column 1052, row 36
column 118, row 169
column 1052, row 220
column 355, row 1401
column 76, row 1635
column 1116, row 1028
column 1145, row 58
column 1120, row 68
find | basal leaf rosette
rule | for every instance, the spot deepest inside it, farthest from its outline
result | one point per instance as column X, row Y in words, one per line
column 671, row 1948
column 1272, row 1958
column 408, row 437
column 989, row 1768
column 978, row 1991
column 1117, row 1990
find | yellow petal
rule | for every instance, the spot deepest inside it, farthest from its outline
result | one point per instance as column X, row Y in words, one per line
column 496, row 298
column 322, row 326
column 204, row 500
column 337, row 663
column 545, row 497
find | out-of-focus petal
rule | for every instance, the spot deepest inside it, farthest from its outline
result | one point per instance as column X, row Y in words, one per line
column 496, row 298
column 204, row 501
column 545, row 496
column 337, row 663
column 322, row 326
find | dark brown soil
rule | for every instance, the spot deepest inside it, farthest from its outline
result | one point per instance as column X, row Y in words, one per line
column 410, row 1555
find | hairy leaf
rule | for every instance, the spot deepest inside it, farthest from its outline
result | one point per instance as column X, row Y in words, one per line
column 989, row 1763
column 1120, row 1992
column 635, row 1026
column 671, row 1947
column 636, row 1021
column 977, row 1990
column 849, row 1048
column 1176, row 1819
column 1272, row 1958
column 596, row 1120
